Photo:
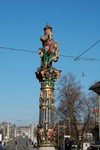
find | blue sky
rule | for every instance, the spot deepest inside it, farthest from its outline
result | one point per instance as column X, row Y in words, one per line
column 76, row 25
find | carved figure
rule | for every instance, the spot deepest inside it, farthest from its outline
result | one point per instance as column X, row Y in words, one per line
column 51, row 134
column 50, row 74
column 40, row 134
column 49, row 51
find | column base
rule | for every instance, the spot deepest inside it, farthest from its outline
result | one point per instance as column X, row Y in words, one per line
column 47, row 146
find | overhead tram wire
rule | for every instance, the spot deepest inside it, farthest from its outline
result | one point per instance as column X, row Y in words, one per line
column 78, row 57
column 73, row 57
column 13, row 69
column 16, row 49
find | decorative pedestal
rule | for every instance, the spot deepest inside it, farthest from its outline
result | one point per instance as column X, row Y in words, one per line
column 47, row 148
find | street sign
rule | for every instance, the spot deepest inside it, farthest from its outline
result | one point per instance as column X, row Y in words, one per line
column 66, row 136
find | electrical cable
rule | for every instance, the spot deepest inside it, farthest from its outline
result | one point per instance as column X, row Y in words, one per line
column 15, row 49
column 87, row 50
column 3, row 69
column 74, row 57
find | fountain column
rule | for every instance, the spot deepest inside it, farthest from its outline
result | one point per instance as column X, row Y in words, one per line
column 47, row 75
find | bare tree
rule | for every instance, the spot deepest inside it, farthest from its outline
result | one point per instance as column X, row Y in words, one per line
column 74, row 108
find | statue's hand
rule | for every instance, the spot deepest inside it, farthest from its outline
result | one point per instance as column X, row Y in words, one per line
column 40, row 52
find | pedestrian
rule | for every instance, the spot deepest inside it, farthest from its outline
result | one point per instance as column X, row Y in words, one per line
column 3, row 145
column 0, row 145
column 15, row 145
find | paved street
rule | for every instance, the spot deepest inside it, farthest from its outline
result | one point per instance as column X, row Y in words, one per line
column 21, row 145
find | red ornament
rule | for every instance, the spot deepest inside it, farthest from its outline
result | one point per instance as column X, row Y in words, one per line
column 95, row 110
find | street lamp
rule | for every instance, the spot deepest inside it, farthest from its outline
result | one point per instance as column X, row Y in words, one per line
column 96, row 89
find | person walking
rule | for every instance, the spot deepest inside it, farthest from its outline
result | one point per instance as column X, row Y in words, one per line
column 15, row 145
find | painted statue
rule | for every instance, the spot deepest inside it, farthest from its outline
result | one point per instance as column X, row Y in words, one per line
column 51, row 133
column 49, row 51
column 47, row 75
column 40, row 134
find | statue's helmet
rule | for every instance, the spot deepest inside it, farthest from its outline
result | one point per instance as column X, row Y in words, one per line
column 48, row 27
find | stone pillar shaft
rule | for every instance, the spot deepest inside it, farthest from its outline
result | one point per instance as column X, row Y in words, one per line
column 46, row 107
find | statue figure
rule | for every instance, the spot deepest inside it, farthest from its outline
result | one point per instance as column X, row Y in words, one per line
column 49, row 51
column 51, row 133
column 40, row 134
